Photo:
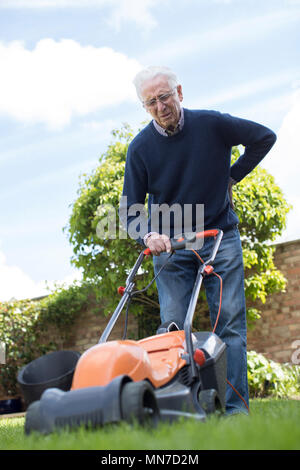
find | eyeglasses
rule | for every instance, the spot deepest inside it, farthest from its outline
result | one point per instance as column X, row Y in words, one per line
column 162, row 98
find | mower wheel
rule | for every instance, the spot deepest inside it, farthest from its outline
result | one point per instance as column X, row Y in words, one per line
column 209, row 401
column 32, row 419
column 138, row 403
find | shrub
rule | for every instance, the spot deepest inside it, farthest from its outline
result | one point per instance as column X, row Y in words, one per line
column 269, row 378
column 30, row 329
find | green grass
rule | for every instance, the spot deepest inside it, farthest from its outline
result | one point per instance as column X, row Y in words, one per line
column 272, row 425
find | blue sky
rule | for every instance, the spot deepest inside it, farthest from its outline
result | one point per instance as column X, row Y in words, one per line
column 66, row 81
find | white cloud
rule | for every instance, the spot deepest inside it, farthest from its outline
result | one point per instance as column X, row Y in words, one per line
column 247, row 88
column 50, row 3
column 15, row 284
column 238, row 32
column 58, row 80
column 101, row 127
column 283, row 162
column 293, row 225
column 284, row 157
column 267, row 110
column 136, row 11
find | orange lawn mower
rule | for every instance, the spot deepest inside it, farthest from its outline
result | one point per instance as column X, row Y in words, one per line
column 174, row 373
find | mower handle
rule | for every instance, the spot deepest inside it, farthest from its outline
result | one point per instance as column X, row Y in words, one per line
column 218, row 234
column 126, row 291
column 180, row 243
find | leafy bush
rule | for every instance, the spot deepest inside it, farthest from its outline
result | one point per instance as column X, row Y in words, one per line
column 269, row 378
column 31, row 328
column 18, row 331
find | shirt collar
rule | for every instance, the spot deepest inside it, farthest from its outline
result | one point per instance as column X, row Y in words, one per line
column 167, row 133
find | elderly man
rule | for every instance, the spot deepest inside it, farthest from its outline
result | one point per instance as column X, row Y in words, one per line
column 183, row 157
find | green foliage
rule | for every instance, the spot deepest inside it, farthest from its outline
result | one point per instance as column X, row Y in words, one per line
column 269, row 378
column 259, row 204
column 108, row 260
column 262, row 210
column 30, row 328
column 63, row 304
column 20, row 336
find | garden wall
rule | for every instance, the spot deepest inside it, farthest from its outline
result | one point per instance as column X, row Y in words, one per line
column 89, row 326
column 277, row 333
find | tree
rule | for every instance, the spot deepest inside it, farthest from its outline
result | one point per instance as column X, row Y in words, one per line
column 259, row 204
column 262, row 210
column 106, row 261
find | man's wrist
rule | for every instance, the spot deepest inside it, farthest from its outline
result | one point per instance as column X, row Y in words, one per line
column 146, row 237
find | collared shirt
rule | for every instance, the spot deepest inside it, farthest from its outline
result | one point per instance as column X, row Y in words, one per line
column 168, row 133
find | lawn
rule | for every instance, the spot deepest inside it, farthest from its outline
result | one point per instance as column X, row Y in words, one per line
column 273, row 424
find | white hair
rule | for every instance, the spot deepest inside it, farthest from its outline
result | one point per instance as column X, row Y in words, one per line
column 151, row 72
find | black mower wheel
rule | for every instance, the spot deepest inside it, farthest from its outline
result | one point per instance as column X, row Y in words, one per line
column 138, row 403
column 209, row 401
column 32, row 418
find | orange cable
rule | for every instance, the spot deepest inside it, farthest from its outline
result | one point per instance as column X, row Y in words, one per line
column 220, row 303
column 216, row 322
column 221, row 288
column 240, row 396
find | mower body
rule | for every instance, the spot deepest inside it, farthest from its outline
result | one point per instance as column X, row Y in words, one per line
column 160, row 361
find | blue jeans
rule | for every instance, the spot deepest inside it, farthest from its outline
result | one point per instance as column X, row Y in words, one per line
column 175, row 284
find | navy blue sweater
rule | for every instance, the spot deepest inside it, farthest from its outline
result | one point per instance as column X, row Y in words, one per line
column 194, row 166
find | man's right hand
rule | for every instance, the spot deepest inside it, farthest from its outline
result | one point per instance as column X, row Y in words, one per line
column 158, row 243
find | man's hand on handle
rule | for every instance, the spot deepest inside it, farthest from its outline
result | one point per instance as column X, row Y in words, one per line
column 158, row 243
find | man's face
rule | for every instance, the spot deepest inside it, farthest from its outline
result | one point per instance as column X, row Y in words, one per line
column 166, row 113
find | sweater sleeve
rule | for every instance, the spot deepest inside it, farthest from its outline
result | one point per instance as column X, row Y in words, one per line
column 256, row 138
column 132, row 205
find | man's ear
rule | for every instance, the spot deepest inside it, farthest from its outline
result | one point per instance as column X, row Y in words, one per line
column 179, row 92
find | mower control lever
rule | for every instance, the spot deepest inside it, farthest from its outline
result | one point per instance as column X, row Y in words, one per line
column 180, row 243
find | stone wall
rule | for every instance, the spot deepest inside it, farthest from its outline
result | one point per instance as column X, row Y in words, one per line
column 277, row 333
column 88, row 328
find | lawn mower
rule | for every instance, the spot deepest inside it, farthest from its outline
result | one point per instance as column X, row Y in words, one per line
column 174, row 373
